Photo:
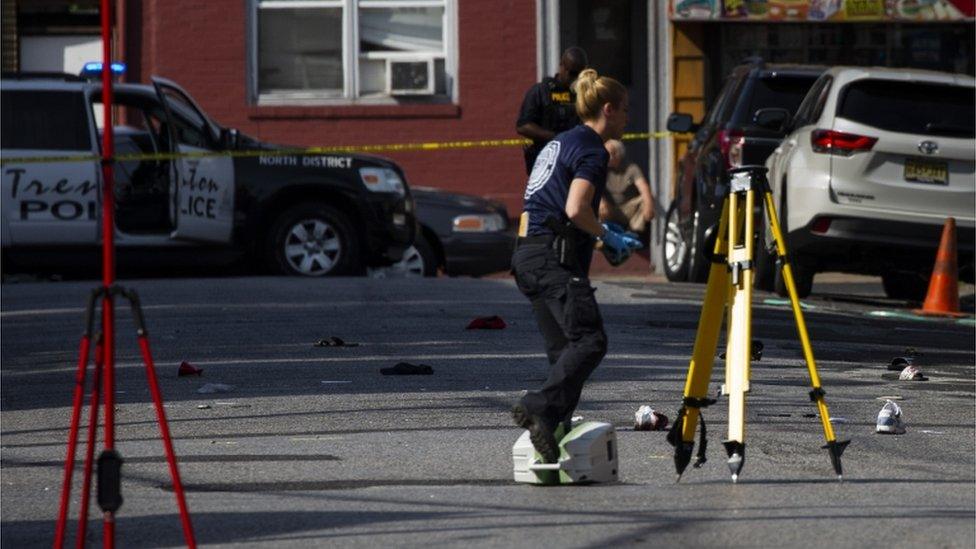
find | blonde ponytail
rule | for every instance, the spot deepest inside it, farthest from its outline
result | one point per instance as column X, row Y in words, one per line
column 593, row 91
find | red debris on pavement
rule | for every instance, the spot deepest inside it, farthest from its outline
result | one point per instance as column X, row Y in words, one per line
column 187, row 369
column 493, row 322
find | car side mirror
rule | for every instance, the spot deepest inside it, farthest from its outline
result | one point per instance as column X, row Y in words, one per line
column 775, row 119
column 680, row 122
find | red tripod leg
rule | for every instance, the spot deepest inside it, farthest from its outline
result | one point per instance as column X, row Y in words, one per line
column 108, row 369
column 174, row 471
column 90, row 448
column 77, row 400
column 69, row 462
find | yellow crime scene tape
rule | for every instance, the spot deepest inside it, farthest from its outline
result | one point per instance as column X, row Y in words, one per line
column 306, row 151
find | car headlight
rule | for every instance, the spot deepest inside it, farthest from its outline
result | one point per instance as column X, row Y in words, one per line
column 478, row 223
column 382, row 180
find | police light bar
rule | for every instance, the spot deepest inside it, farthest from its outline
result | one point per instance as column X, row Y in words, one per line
column 94, row 68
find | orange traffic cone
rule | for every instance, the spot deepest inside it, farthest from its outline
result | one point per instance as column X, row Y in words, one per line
column 943, row 295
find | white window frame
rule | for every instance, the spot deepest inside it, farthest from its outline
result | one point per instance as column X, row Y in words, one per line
column 350, row 94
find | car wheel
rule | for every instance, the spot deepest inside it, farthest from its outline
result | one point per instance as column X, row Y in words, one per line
column 419, row 260
column 313, row 240
column 700, row 256
column 765, row 269
column 675, row 249
column 802, row 277
column 905, row 285
column 803, row 271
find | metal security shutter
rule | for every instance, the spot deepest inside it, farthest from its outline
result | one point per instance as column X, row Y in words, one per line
column 10, row 45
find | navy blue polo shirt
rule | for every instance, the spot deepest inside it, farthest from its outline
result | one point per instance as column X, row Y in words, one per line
column 574, row 154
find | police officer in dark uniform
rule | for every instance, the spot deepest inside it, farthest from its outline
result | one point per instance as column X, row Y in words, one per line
column 549, row 107
column 552, row 259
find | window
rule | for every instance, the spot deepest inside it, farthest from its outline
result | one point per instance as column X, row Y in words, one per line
column 784, row 92
column 923, row 108
column 818, row 107
column 44, row 120
column 803, row 113
column 342, row 51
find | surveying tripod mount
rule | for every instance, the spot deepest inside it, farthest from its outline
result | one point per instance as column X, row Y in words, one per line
column 728, row 297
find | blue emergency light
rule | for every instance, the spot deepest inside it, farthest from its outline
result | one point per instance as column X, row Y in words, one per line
column 94, row 68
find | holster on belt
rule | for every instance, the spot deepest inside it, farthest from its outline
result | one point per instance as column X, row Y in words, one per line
column 564, row 244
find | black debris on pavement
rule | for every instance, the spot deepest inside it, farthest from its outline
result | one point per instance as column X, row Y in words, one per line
column 333, row 341
column 407, row 369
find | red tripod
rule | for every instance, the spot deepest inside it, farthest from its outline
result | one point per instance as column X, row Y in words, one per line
column 109, row 494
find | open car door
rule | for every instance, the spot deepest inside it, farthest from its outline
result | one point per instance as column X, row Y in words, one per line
column 202, row 193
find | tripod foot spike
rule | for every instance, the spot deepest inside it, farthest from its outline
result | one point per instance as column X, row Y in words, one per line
column 682, row 456
column 735, row 478
column 737, row 457
column 677, row 479
column 835, row 449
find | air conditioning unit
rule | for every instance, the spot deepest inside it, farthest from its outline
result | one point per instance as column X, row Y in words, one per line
column 410, row 76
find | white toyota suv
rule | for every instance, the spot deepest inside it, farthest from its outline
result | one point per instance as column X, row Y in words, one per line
column 874, row 162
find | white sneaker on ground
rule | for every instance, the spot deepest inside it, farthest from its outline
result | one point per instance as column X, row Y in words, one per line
column 889, row 419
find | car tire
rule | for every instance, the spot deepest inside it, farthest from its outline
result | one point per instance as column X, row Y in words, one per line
column 313, row 240
column 802, row 271
column 702, row 248
column 765, row 270
column 802, row 277
column 420, row 260
column 675, row 251
column 905, row 285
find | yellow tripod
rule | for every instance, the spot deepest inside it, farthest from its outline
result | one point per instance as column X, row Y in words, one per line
column 730, row 284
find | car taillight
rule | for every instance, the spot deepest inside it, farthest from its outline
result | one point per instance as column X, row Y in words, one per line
column 820, row 225
column 730, row 143
column 840, row 143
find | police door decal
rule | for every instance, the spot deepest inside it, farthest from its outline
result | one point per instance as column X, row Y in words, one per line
column 204, row 201
column 202, row 194
column 50, row 202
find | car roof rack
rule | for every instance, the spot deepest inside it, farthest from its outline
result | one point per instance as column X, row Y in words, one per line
column 753, row 60
column 42, row 75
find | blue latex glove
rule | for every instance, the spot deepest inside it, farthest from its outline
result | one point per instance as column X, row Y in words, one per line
column 619, row 243
column 619, row 239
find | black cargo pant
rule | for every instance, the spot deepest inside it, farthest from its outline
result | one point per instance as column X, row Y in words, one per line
column 569, row 319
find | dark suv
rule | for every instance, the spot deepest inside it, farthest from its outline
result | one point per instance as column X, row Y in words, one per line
column 731, row 135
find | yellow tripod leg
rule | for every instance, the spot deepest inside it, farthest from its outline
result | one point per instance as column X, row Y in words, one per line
column 738, row 353
column 834, row 447
column 703, row 356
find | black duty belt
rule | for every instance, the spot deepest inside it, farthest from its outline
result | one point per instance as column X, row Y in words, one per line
column 537, row 239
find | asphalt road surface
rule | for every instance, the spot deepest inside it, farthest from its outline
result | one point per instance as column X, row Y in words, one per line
column 313, row 447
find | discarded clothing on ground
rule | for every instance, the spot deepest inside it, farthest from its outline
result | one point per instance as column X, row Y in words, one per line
column 187, row 369
column 493, row 322
column 407, row 369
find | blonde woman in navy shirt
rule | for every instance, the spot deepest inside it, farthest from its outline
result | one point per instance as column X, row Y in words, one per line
column 552, row 260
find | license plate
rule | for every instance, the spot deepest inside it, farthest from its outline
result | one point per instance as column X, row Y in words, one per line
column 926, row 171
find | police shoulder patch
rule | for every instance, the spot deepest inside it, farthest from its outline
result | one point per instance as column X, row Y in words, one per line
column 542, row 169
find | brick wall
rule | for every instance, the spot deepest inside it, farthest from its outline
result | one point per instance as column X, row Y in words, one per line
column 203, row 46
